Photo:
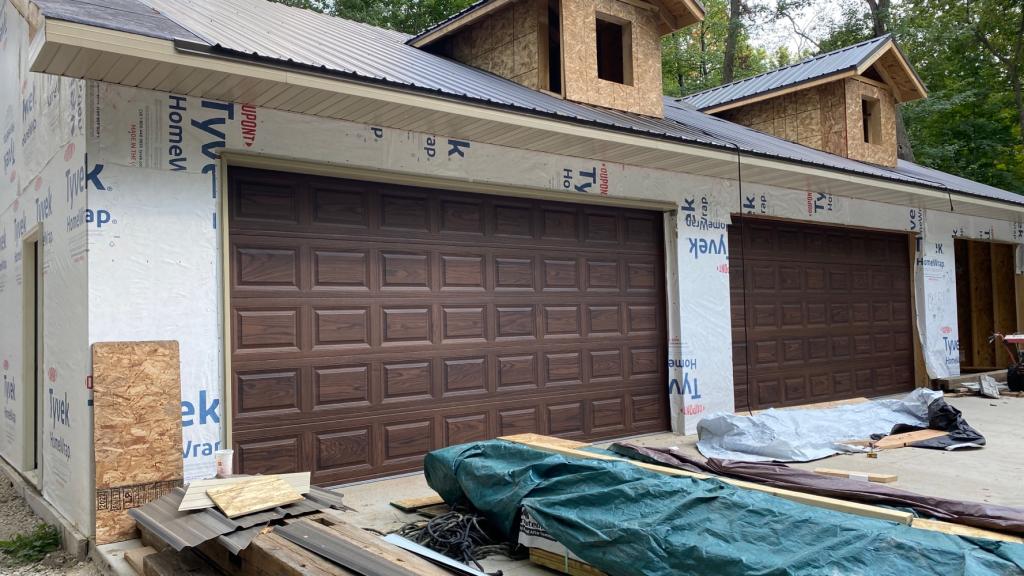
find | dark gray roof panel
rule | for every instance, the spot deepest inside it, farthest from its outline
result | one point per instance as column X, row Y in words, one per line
column 942, row 179
column 292, row 36
column 125, row 15
column 812, row 68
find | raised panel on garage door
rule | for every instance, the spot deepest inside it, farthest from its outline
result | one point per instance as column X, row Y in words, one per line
column 819, row 313
column 373, row 323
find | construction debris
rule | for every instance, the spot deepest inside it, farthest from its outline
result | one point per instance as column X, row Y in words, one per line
column 252, row 495
column 196, row 497
column 802, row 435
column 621, row 517
column 458, row 535
column 862, row 476
column 412, row 505
column 1006, row 522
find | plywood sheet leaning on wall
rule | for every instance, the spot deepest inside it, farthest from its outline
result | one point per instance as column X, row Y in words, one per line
column 137, row 423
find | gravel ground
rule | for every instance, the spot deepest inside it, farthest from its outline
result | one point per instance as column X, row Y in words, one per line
column 16, row 517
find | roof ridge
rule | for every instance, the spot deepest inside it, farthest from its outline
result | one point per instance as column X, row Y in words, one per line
column 803, row 62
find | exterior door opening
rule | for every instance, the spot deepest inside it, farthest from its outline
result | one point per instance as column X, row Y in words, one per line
column 33, row 382
column 986, row 302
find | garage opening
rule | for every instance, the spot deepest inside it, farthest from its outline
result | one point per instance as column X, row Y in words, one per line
column 819, row 313
column 986, row 302
column 373, row 323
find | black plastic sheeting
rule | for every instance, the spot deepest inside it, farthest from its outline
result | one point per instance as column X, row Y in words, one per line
column 627, row 521
column 988, row 516
column 942, row 416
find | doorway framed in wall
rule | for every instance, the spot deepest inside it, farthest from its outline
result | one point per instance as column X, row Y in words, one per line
column 33, row 378
column 986, row 302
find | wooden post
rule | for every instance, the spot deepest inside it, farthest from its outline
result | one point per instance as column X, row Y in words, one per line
column 1004, row 302
column 982, row 320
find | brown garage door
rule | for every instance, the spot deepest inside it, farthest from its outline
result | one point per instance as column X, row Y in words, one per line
column 372, row 323
column 818, row 313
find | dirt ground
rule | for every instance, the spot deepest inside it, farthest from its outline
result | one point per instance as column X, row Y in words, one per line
column 16, row 517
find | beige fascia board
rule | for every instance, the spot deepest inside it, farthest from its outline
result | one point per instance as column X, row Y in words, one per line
column 886, row 48
column 462, row 21
column 133, row 45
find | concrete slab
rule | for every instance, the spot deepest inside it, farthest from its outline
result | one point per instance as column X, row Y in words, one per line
column 992, row 474
column 110, row 558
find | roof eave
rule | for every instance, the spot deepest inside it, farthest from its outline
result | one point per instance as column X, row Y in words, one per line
column 75, row 50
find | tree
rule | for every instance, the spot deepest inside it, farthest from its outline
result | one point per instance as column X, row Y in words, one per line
column 409, row 16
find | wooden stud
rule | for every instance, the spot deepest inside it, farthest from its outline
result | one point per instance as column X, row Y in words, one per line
column 411, row 505
column 982, row 321
column 1004, row 302
column 556, row 446
column 921, row 379
column 965, row 318
column 562, row 564
column 136, row 558
column 907, row 438
column 252, row 495
column 866, row 476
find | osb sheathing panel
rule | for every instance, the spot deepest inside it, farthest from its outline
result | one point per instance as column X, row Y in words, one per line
column 137, row 430
column 579, row 48
column 884, row 153
column 833, row 117
column 890, row 65
column 796, row 117
column 504, row 43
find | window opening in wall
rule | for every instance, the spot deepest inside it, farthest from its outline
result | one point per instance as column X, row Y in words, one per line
column 614, row 50
column 554, row 47
column 871, row 115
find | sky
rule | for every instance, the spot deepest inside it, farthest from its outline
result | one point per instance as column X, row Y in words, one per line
column 812, row 21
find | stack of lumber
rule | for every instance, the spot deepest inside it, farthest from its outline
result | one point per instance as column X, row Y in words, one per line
column 896, row 440
column 240, row 495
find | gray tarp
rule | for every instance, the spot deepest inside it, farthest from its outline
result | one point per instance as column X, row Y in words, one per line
column 796, row 435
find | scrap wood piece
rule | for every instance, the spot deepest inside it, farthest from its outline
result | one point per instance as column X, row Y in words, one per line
column 907, row 438
column 196, row 498
column 563, row 564
column 137, row 438
column 253, row 495
column 136, row 558
column 963, row 530
column 411, row 505
column 811, row 499
column 867, row 476
column 337, row 548
column 375, row 544
column 819, row 405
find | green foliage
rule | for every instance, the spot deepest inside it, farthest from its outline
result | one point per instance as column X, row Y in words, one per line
column 410, row 16
column 692, row 59
column 32, row 547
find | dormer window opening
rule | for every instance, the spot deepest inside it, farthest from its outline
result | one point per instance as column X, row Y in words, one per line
column 614, row 50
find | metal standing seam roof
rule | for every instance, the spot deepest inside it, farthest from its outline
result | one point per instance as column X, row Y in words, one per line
column 813, row 68
column 293, row 37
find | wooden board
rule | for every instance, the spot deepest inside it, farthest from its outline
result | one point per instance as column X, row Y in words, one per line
column 562, row 564
column 252, row 495
column 533, row 441
column 810, row 499
column 372, row 543
column 1004, row 302
column 137, row 431
column 196, row 498
column 413, row 504
column 820, row 405
column 868, row 476
column 136, row 558
column 907, row 438
column 982, row 319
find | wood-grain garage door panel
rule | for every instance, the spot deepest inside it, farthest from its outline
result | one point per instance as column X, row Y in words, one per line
column 819, row 313
column 372, row 324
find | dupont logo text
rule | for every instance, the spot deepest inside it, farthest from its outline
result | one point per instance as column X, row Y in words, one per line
column 248, row 124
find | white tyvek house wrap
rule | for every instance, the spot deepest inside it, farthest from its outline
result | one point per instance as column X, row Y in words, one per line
column 700, row 380
column 153, row 252
column 44, row 188
column 935, row 270
column 148, row 134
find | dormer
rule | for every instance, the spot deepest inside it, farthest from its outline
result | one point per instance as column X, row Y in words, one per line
column 601, row 52
column 842, row 102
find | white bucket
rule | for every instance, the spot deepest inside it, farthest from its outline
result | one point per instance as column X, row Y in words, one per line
column 224, row 460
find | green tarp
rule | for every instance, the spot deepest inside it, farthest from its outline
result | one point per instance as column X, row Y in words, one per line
column 629, row 521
